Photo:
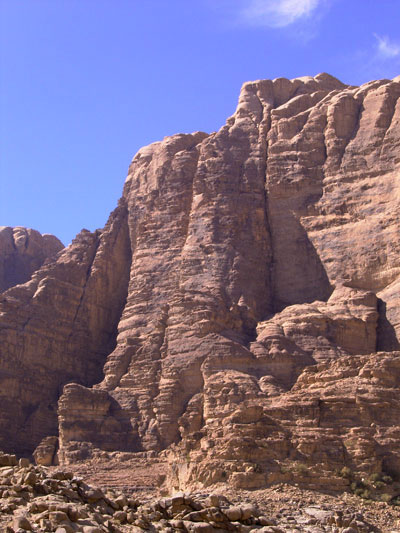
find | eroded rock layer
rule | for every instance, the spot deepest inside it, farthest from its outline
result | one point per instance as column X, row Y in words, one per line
column 260, row 266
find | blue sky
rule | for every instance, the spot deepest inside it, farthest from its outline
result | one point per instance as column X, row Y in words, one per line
column 85, row 83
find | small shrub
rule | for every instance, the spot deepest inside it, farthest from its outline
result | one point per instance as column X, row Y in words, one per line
column 387, row 479
column 385, row 497
column 354, row 486
column 345, row 472
column 301, row 468
column 375, row 477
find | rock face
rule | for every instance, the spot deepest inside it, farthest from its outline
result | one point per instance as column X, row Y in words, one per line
column 253, row 275
column 59, row 327
column 22, row 251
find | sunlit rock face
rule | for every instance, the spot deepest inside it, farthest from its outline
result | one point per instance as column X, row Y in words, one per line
column 240, row 308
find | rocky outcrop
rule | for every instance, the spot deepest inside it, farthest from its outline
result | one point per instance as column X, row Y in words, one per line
column 58, row 328
column 258, row 256
column 233, row 227
column 337, row 422
column 22, row 251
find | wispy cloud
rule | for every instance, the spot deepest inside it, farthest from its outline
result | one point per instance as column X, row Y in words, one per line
column 278, row 13
column 386, row 49
column 379, row 60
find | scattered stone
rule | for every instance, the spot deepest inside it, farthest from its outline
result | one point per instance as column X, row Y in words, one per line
column 21, row 522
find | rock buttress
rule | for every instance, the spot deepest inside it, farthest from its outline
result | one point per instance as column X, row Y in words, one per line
column 259, row 251
column 58, row 328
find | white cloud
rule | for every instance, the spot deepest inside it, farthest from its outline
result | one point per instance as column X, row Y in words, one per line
column 278, row 13
column 387, row 49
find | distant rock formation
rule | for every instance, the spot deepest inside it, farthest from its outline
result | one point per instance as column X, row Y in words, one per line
column 59, row 327
column 253, row 277
column 22, row 251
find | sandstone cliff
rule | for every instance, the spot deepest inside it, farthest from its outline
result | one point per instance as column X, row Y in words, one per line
column 59, row 327
column 252, row 274
column 22, row 251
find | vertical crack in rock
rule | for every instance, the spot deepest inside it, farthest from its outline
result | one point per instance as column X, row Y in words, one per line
column 343, row 118
column 386, row 335
column 392, row 119
column 83, row 290
column 294, row 184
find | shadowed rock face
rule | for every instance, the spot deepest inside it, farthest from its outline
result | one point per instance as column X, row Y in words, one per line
column 58, row 328
column 22, row 251
column 238, row 265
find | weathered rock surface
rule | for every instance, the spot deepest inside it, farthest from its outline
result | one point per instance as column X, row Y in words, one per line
column 22, row 251
column 336, row 423
column 59, row 327
column 39, row 499
column 260, row 266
